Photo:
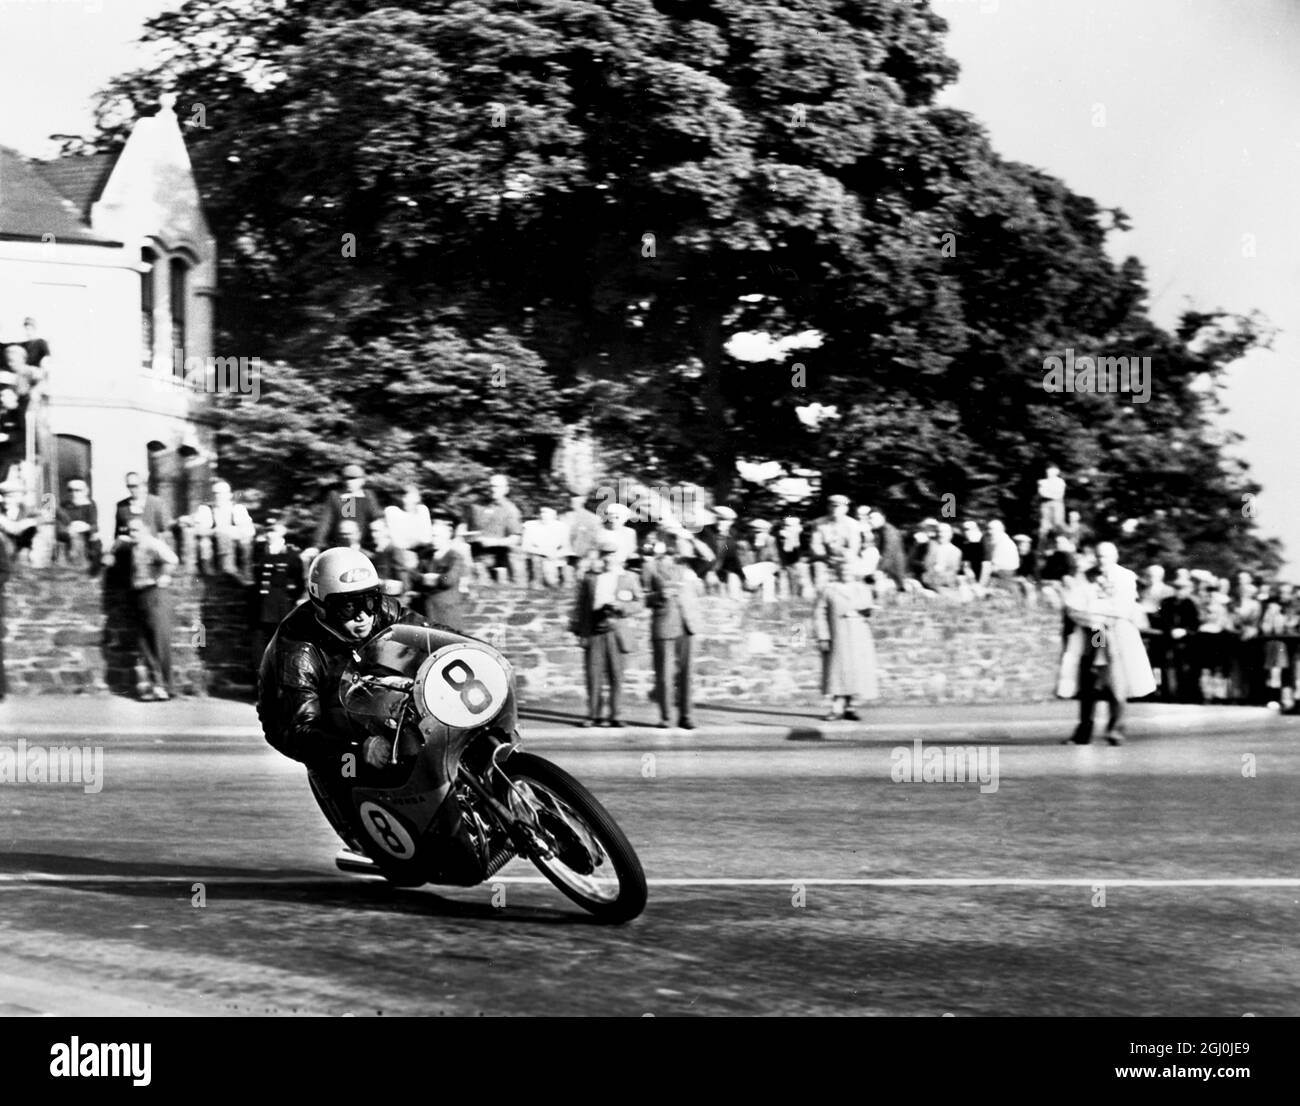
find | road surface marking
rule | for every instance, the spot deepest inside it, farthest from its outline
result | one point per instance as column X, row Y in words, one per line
column 13, row 879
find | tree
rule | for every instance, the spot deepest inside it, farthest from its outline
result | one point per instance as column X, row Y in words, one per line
column 600, row 195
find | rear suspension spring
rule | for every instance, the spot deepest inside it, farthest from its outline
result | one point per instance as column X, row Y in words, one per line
column 499, row 859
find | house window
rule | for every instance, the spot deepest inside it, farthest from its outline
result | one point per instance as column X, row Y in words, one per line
column 147, row 257
column 179, row 271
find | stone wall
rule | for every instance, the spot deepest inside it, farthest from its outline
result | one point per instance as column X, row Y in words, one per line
column 68, row 633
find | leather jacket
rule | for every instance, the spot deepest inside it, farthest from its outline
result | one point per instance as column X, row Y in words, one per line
column 297, row 684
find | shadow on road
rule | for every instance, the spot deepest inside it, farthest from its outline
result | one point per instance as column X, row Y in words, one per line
column 550, row 714
column 152, row 880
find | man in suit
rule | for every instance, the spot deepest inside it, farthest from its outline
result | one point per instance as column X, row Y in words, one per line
column 1179, row 620
column 606, row 596
column 139, row 503
column 277, row 585
column 671, row 588
column 1104, row 656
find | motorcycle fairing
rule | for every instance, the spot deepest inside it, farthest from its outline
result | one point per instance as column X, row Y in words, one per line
column 416, row 830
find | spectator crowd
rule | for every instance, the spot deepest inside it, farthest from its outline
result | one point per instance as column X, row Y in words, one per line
column 1208, row 639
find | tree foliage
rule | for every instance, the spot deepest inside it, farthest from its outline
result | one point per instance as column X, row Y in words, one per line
column 594, row 196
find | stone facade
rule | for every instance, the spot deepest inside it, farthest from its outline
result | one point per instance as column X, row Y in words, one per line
column 66, row 635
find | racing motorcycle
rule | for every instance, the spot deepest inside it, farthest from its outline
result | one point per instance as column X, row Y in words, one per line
column 460, row 799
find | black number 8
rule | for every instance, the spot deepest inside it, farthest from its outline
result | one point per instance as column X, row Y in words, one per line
column 468, row 686
column 380, row 821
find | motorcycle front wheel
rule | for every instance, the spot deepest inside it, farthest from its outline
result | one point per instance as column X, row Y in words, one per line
column 580, row 848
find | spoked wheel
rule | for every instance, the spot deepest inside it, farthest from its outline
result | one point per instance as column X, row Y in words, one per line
column 577, row 845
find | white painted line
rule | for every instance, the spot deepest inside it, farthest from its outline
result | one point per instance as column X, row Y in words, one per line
column 721, row 881
column 54, row 729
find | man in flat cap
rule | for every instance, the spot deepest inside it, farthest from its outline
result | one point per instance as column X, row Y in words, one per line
column 355, row 503
column 607, row 596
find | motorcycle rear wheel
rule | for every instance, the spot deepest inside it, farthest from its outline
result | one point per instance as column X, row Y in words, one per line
column 584, row 835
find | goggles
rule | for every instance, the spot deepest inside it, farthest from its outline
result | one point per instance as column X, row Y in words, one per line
column 344, row 608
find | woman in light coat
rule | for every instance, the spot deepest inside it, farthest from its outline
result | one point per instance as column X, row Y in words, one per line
column 844, row 636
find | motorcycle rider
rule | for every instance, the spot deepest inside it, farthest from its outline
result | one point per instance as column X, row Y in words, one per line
column 297, row 685
column 302, row 716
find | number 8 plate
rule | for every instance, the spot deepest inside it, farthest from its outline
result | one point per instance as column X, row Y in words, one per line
column 463, row 685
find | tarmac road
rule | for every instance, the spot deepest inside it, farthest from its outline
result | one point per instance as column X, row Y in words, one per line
column 786, row 877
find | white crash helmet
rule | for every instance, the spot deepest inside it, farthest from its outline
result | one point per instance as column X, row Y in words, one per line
column 340, row 571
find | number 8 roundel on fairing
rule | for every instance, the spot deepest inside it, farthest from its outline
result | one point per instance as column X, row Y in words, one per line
column 462, row 685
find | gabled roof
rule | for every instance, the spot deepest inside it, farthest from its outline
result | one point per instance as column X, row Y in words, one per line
column 32, row 207
column 79, row 179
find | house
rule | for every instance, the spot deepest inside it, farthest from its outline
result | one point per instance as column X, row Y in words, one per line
column 111, row 256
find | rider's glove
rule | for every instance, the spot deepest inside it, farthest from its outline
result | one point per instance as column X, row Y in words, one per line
column 377, row 751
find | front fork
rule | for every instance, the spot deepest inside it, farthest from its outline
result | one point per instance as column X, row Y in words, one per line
column 525, row 834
